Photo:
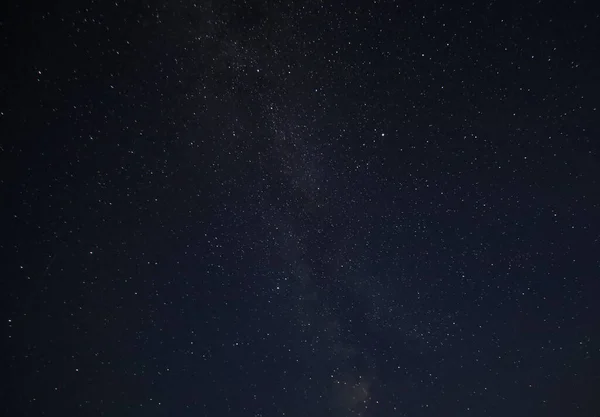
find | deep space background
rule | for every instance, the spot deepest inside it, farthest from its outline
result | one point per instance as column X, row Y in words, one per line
column 248, row 208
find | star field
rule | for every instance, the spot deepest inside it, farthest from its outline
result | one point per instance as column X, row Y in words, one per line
column 248, row 208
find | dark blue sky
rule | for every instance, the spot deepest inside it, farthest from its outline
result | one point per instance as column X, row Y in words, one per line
column 286, row 209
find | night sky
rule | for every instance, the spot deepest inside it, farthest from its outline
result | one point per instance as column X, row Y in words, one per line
column 328, row 209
